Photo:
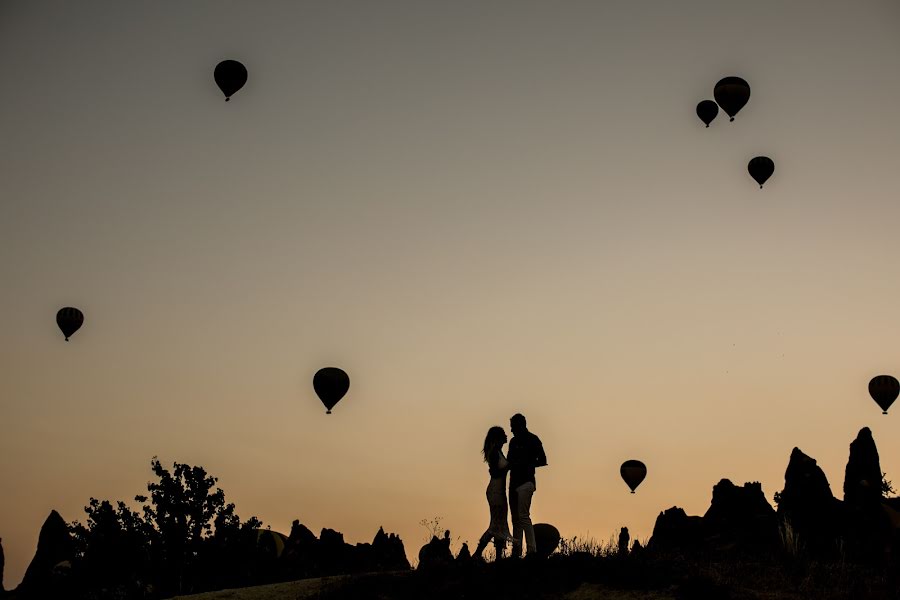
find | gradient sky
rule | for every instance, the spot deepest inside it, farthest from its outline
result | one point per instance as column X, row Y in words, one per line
column 476, row 209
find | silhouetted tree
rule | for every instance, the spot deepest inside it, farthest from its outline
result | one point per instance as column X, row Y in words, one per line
column 186, row 538
column 183, row 509
column 112, row 551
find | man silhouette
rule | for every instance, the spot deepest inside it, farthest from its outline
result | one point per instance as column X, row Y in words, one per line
column 525, row 454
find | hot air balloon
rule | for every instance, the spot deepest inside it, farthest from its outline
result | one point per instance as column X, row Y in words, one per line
column 707, row 111
column 633, row 473
column 884, row 389
column 270, row 543
column 331, row 384
column 760, row 169
column 69, row 320
column 230, row 77
column 732, row 94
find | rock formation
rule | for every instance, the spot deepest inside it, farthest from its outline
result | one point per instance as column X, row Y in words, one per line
column 436, row 553
column 464, row 555
column 55, row 546
column 386, row 553
column 740, row 518
column 868, row 523
column 807, row 506
column 306, row 556
column 674, row 530
column 624, row 540
column 862, row 477
column 864, row 527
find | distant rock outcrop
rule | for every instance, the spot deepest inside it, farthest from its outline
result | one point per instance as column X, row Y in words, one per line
column 464, row 556
column 864, row 527
column 868, row 523
column 740, row 518
column 807, row 506
column 436, row 553
column 624, row 540
column 306, row 556
column 388, row 552
column 674, row 530
column 862, row 477
column 43, row 577
column 333, row 554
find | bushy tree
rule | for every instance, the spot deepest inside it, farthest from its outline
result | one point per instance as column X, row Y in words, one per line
column 113, row 551
column 186, row 538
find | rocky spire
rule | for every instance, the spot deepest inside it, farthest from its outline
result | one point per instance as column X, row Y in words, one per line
column 862, row 478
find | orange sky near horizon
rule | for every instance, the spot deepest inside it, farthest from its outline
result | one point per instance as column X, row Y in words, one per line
column 475, row 210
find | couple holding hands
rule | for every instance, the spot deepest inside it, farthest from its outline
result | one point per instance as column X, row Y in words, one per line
column 526, row 453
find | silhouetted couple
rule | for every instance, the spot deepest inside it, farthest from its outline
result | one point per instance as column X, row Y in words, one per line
column 526, row 453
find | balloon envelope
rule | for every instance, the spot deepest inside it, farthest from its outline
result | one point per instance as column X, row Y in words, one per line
column 230, row 77
column 633, row 473
column 732, row 94
column 884, row 389
column 707, row 111
column 331, row 384
column 760, row 169
column 546, row 538
column 270, row 542
column 69, row 320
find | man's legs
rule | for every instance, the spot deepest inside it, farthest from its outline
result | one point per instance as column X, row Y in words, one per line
column 516, row 550
column 521, row 514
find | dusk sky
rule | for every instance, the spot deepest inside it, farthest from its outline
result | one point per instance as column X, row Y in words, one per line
column 474, row 208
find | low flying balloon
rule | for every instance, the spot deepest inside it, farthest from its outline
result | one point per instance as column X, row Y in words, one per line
column 707, row 111
column 760, row 169
column 69, row 320
column 331, row 384
column 732, row 93
column 633, row 473
column 884, row 389
column 230, row 77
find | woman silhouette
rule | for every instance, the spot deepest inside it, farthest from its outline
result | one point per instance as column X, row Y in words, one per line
column 496, row 493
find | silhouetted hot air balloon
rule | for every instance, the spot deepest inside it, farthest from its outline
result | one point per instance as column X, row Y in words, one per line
column 732, row 94
column 230, row 77
column 633, row 473
column 331, row 384
column 760, row 169
column 69, row 320
column 270, row 542
column 884, row 389
column 707, row 111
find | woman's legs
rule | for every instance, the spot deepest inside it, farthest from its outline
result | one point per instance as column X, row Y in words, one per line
column 482, row 544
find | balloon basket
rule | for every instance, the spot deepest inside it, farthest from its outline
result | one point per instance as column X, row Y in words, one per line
column 328, row 412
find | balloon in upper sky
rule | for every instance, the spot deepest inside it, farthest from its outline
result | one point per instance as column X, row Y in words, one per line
column 69, row 320
column 760, row 169
column 230, row 77
column 707, row 111
column 884, row 389
column 732, row 94
column 331, row 384
column 633, row 473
